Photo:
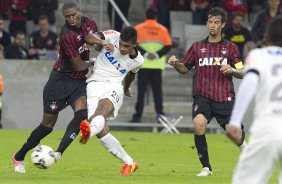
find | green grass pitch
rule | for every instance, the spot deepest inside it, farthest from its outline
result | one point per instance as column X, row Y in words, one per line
column 162, row 158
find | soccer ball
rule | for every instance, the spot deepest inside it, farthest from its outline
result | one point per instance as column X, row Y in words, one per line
column 43, row 157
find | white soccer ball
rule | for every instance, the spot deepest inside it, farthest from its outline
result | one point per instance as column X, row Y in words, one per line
column 43, row 157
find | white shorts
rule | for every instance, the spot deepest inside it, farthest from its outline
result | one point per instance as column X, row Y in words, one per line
column 262, row 154
column 97, row 91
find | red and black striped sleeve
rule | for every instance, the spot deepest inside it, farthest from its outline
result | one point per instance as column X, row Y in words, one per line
column 189, row 58
column 90, row 22
column 235, row 54
column 69, row 44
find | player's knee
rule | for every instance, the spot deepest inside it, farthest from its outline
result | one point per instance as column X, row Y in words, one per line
column 200, row 127
column 80, row 115
column 49, row 124
column 105, row 108
column 49, row 119
column 75, row 122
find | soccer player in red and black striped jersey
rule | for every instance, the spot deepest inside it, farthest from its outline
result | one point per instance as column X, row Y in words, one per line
column 66, row 84
column 216, row 62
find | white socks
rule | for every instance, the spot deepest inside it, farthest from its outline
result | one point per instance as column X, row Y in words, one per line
column 97, row 124
column 115, row 148
column 109, row 141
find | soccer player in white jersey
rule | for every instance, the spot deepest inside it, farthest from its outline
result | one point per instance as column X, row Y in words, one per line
column 110, row 80
column 263, row 79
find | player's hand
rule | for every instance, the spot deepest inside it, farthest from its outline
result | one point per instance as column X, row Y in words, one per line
column 87, row 46
column 32, row 51
column 227, row 69
column 108, row 46
column 151, row 56
column 128, row 92
column 234, row 133
column 173, row 61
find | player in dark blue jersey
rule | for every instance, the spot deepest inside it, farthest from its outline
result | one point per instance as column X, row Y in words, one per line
column 216, row 62
column 66, row 84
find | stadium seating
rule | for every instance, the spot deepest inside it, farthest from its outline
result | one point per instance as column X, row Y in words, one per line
column 178, row 19
column 194, row 33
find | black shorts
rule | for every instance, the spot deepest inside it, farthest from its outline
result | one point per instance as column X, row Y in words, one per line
column 210, row 108
column 61, row 91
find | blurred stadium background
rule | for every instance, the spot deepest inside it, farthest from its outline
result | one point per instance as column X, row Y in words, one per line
column 24, row 79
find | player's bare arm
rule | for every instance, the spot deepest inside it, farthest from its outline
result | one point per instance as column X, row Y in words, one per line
column 238, row 73
column 79, row 64
column 173, row 61
column 127, row 82
column 227, row 69
column 95, row 39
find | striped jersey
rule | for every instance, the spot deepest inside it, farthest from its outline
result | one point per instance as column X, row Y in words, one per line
column 71, row 42
column 207, row 58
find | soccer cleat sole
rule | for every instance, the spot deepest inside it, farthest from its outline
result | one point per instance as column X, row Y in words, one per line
column 85, row 132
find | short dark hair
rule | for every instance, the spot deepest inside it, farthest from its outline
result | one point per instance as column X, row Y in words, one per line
column 217, row 11
column 70, row 5
column 237, row 14
column 43, row 17
column 151, row 13
column 19, row 33
column 274, row 31
column 128, row 34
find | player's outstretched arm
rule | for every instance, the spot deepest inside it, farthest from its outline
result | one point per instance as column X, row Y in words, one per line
column 95, row 39
column 173, row 61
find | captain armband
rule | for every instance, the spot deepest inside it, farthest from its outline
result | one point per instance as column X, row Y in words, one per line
column 239, row 65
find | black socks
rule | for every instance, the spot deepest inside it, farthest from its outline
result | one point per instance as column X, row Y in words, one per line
column 72, row 130
column 202, row 148
column 33, row 140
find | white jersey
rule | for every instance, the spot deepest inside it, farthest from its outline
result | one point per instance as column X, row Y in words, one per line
column 264, row 149
column 114, row 67
column 268, row 63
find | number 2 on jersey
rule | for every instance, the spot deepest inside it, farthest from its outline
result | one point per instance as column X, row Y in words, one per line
column 115, row 96
column 276, row 94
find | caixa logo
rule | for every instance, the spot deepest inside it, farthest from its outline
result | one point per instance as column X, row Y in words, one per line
column 114, row 62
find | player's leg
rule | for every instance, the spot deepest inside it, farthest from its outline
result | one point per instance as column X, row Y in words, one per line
column 200, row 123
column 201, row 116
column 257, row 162
column 99, row 110
column 222, row 113
column 241, row 143
column 80, row 113
column 52, row 107
column 142, row 84
column 95, row 90
column 33, row 140
column 105, row 109
column 78, row 102
column 156, row 84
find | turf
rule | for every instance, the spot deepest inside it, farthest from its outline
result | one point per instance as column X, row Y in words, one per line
column 162, row 158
